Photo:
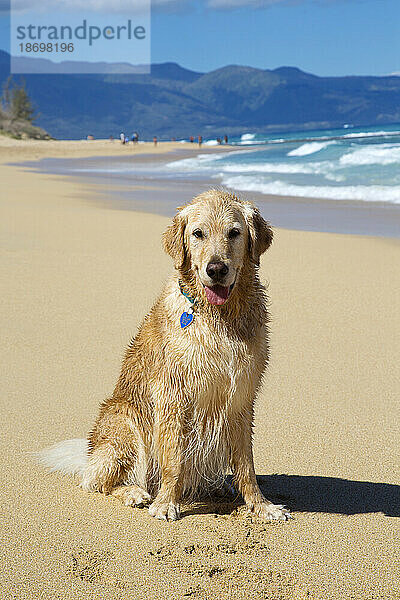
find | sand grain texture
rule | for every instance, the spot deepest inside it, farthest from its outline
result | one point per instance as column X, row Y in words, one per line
column 77, row 280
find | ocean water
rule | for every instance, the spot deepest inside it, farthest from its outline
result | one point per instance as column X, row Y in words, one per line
column 344, row 181
column 343, row 164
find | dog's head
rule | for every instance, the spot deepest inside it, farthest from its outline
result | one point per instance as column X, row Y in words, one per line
column 212, row 239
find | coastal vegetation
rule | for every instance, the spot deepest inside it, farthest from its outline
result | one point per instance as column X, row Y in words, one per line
column 17, row 113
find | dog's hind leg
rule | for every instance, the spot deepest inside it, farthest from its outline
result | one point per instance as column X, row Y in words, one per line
column 109, row 474
column 112, row 453
column 134, row 491
column 103, row 471
column 131, row 495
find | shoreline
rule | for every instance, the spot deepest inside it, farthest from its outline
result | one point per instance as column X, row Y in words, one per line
column 128, row 191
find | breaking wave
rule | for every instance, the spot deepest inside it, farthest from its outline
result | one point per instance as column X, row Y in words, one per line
column 385, row 154
column 370, row 193
column 310, row 148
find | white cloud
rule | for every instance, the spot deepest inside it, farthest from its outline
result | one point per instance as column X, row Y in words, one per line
column 95, row 6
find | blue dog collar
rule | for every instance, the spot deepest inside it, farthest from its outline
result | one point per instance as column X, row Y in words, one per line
column 187, row 317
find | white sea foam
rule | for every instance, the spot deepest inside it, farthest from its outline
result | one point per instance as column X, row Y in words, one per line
column 271, row 167
column 370, row 193
column 199, row 163
column 325, row 168
column 251, row 143
column 385, row 154
column 338, row 137
column 309, row 148
column 371, row 134
column 205, row 165
column 246, row 137
column 202, row 161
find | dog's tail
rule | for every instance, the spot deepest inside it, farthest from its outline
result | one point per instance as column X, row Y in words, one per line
column 68, row 457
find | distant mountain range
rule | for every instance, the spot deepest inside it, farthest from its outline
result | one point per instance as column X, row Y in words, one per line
column 174, row 101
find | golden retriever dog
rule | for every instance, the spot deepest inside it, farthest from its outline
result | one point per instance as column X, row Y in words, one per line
column 181, row 415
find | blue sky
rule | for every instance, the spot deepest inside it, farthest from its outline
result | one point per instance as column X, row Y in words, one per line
column 325, row 37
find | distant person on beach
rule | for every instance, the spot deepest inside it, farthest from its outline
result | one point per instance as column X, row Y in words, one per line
column 225, row 139
column 126, row 140
column 135, row 137
column 90, row 137
column 122, row 138
column 191, row 139
column 111, row 138
column 219, row 141
column 200, row 139
column 155, row 140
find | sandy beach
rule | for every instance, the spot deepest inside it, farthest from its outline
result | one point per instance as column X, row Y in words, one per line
column 78, row 278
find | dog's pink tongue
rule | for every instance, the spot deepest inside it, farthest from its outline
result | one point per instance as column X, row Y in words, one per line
column 217, row 294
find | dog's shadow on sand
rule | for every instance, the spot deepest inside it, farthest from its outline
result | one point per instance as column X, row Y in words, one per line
column 311, row 493
column 331, row 494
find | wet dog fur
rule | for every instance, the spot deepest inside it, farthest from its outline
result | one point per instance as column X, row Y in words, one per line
column 181, row 415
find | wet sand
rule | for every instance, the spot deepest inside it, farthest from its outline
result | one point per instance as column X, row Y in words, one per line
column 142, row 182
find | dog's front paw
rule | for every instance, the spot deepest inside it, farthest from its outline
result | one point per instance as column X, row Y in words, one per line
column 271, row 512
column 165, row 511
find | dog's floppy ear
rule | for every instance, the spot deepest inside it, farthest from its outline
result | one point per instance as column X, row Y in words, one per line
column 260, row 232
column 174, row 241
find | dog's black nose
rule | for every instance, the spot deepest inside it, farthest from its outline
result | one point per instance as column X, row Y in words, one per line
column 217, row 270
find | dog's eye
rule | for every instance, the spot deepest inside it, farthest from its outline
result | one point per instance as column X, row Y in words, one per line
column 233, row 233
column 198, row 234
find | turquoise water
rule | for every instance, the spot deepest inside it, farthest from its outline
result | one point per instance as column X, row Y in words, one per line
column 341, row 164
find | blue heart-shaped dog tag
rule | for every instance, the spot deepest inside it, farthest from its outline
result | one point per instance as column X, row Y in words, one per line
column 186, row 319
